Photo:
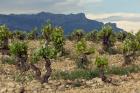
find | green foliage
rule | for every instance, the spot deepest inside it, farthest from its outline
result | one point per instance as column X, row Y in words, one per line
column 42, row 52
column 121, row 35
column 4, row 32
column 92, row 36
column 58, row 38
column 78, row 34
column 130, row 45
column 90, row 50
column 47, row 30
column 90, row 74
column 123, row 70
column 130, row 35
column 107, row 35
column 138, row 36
column 21, row 35
column 81, row 46
column 76, row 74
column 18, row 48
column 101, row 61
column 33, row 34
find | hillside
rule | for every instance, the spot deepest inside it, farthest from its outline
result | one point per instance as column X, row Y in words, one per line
column 69, row 22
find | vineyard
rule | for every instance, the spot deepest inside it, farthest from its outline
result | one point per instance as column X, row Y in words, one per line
column 48, row 61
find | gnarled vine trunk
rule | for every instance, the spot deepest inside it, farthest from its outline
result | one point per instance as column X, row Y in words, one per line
column 128, row 58
column 82, row 61
column 37, row 71
column 21, row 62
column 106, row 44
column 102, row 74
column 49, row 70
column 44, row 78
column 4, row 49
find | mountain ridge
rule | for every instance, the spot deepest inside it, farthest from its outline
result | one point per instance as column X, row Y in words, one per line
column 68, row 22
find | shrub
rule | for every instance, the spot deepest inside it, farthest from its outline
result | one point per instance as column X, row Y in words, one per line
column 21, row 35
column 92, row 36
column 81, row 46
column 78, row 34
column 33, row 34
column 19, row 50
column 121, row 35
column 101, row 63
column 4, row 36
column 138, row 36
column 82, row 60
column 108, row 37
column 47, row 31
column 130, row 47
column 49, row 52
column 90, row 50
column 46, row 53
column 58, row 39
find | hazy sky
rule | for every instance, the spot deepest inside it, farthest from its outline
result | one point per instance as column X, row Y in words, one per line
column 128, row 10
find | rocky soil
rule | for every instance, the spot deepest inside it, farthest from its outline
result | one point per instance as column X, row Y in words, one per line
column 12, row 81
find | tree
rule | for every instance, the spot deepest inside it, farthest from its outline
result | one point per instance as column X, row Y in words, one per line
column 108, row 37
column 18, row 49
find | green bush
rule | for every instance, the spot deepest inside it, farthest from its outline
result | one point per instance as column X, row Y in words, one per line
column 131, row 45
column 21, row 35
column 107, row 36
column 92, row 36
column 58, row 39
column 49, row 52
column 81, row 46
column 4, row 36
column 4, row 32
column 101, row 61
column 138, row 36
column 78, row 34
column 47, row 30
column 33, row 34
column 18, row 48
column 90, row 50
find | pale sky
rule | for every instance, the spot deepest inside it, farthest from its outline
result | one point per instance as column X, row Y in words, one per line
column 126, row 13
